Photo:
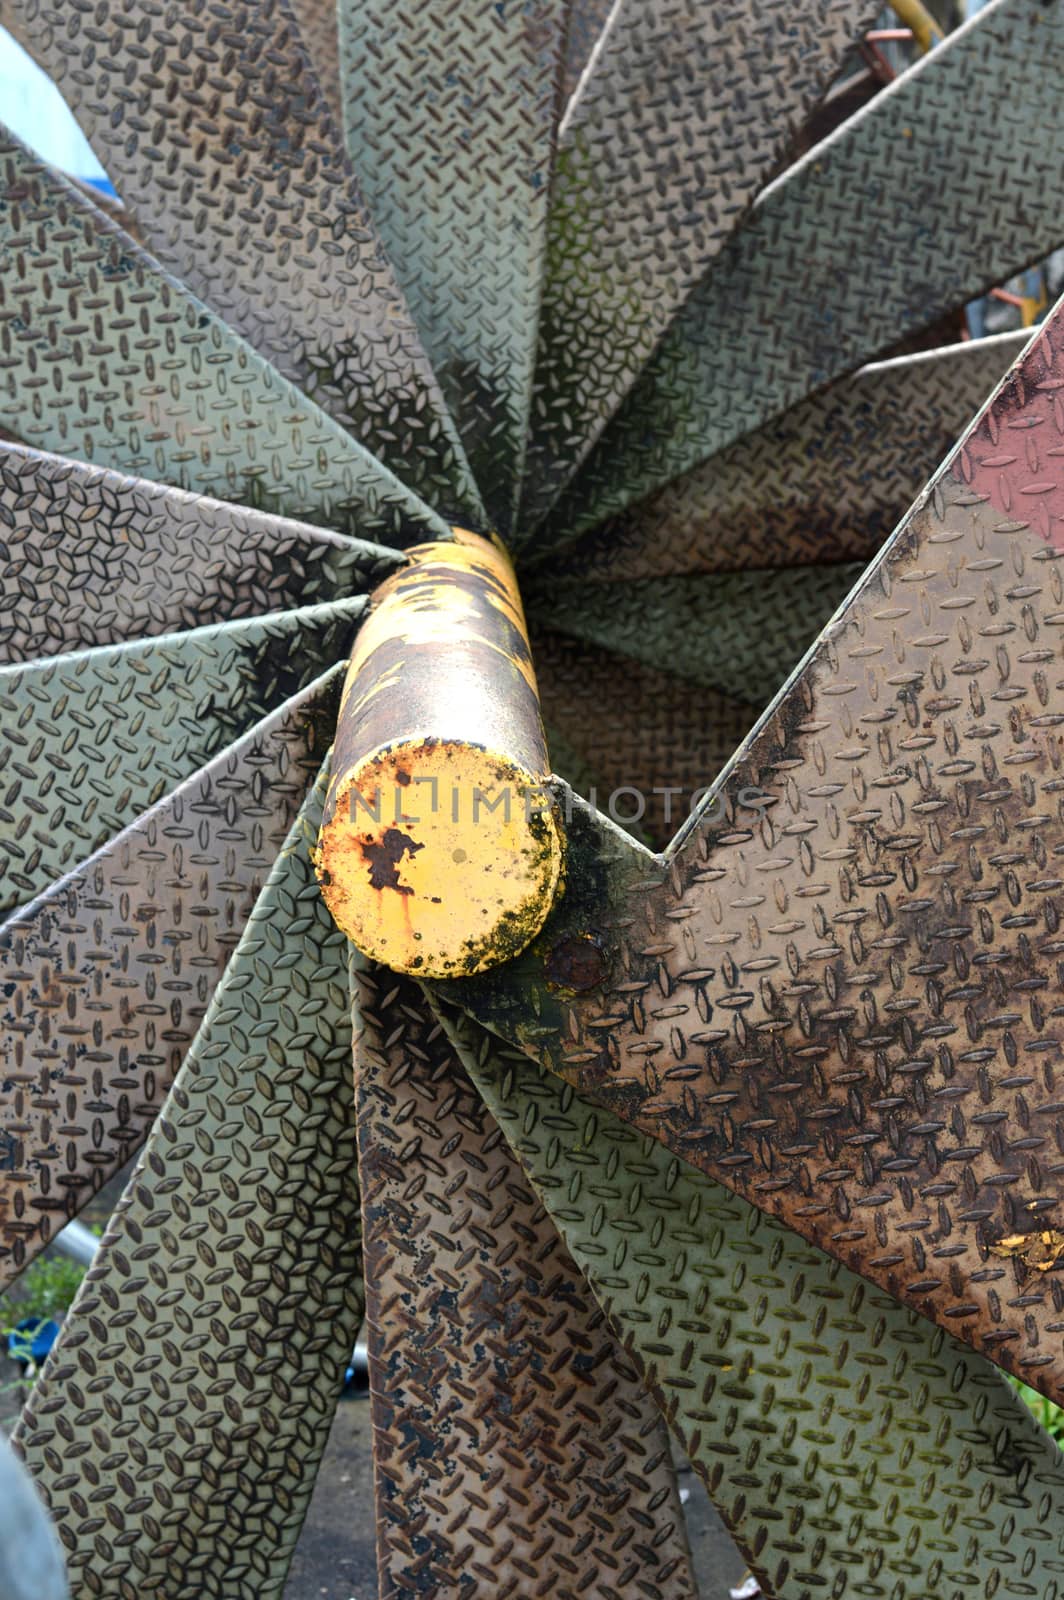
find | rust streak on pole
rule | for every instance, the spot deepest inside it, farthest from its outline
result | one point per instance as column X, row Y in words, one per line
column 440, row 852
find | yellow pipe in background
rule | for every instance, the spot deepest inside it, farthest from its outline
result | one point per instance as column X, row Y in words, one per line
column 440, row 852
column 925, row 30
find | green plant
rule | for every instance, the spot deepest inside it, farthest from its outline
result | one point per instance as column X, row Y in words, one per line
column 47, row 1289
column 1049, row 1415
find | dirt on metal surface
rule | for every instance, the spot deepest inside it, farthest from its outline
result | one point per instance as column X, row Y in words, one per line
column 335, row 1558
column 517, row 1453
column 827, row 480
column 451, row 115
column 683, row 114
column 268, row 449
column 176, row 1428
column 848, row 1011
column 874, row 234
column 850, row 1445
column 132, row 559
column 107, row 977
column 225, row 153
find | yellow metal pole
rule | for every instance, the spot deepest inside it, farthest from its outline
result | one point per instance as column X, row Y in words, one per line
column 440, row 852
column 912, row 14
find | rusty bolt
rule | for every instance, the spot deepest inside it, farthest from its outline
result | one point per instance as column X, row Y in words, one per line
column 577, row 964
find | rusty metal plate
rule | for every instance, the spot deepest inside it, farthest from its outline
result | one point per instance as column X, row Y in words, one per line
column 178, row 1426
column 105, row 356
column 826, row 481
column 739, row 633
column 89, row 557
column 106, row 978
column 586, row 20
column 907, row 211
column 847, row 1011
column 515, row 1450
column 316, row 24
column 851, row 1447
column 450, row 113
column 684, row 113
column 90, row 741
column 632, row 737
column 220, row 145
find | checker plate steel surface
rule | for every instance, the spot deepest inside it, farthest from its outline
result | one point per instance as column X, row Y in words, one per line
column 739, row 633
column 177, row 1429
column 903, row 214
column 196, row 407
column 457, row 176
column 88, row 742
column 851, row 1447
column 217, row 141
column 317, row 27
column 586, row 20
column 106, row 978
column 515, row 1450
column 826, row 481
column 649, row 739
column 803, row 1123
column 848, row 1013
column 90, row 557
column 685, row 112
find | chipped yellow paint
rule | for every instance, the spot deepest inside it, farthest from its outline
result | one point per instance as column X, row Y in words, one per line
column 440, row 852
column 1042, row 1251
column 437, row 609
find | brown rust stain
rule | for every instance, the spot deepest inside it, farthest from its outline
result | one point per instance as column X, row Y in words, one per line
column 385, row 855
column 850, row 1010
column 577, row 964
column 516, row 1451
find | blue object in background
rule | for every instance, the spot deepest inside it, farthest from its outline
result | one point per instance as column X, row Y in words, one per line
column 31, row 1339
column 32, row 107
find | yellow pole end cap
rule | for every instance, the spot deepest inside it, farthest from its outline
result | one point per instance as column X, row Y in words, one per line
column 439, row 858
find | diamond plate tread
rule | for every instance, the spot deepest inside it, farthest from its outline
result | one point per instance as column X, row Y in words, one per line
column 457, row 176
column 178, row 1426
column 104, row 355
column 686, row 111
column 215, row 136
column 908, row 210
column 580, row 773
column 109, row 204
column 851, row 1447
column 849, row 1012
column 516, row 1453
column 88, row 742
column 582, row 778
column 739, row 633
column 317, row 25
column 656, row 736
column 565, row 757
column 586, row 20
column 826, row 481
column 106, row 978
column 90, row 557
